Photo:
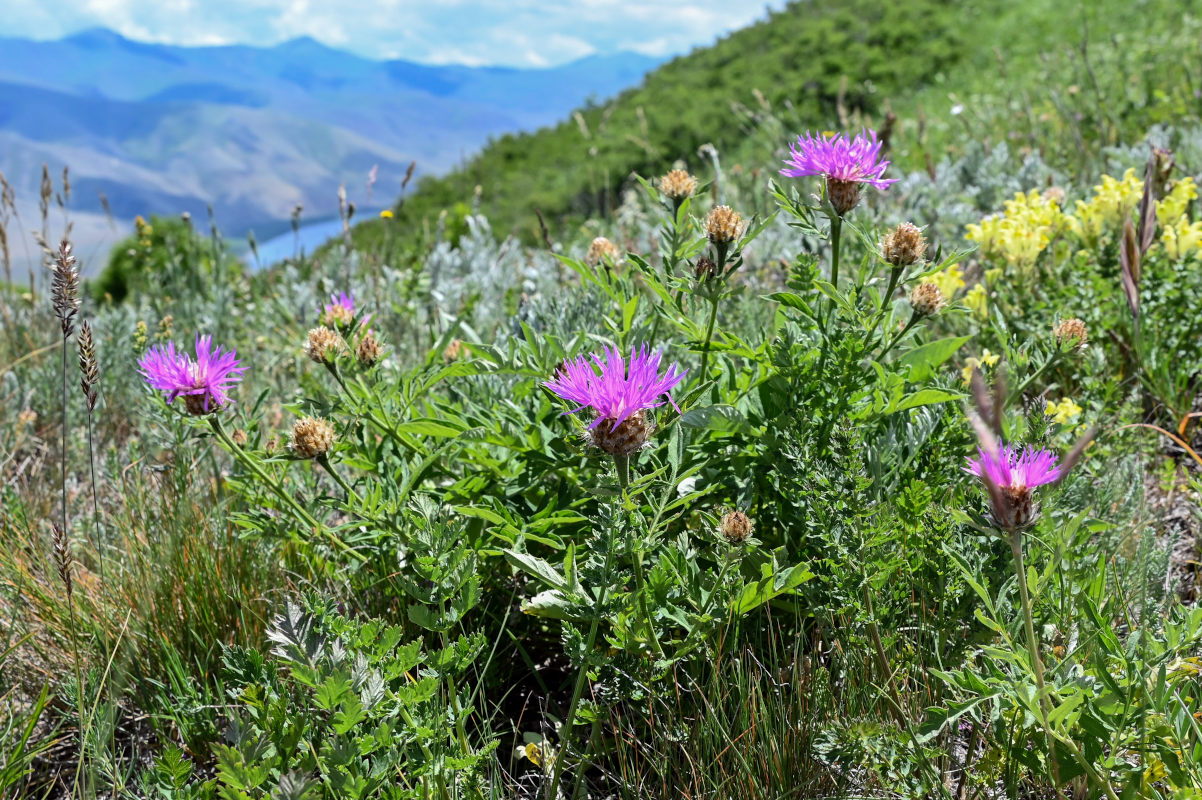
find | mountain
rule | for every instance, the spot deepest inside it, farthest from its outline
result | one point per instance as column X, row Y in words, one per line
column 256, row 130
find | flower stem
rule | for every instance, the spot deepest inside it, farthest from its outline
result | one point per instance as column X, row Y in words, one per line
column 1016, row 547
column 278, row 490
column 324, row 460
column 709, row 334
column 577, row 690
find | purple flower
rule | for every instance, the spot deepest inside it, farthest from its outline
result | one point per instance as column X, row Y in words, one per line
column 839, row 159
column 340, row 311
column 204, row 381
column 618, row 395
column 1010, row 474
column 1011, row 468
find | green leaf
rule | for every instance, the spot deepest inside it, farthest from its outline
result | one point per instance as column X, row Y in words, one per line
column 537, row 568
column 924, row 397
column 429, row 427
column 756, row 594
column 923, row 360
column 720, row 418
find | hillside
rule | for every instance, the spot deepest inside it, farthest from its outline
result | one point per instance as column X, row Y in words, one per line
column 945, row 68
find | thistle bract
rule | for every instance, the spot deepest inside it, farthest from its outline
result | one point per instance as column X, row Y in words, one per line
column 203, row 380
column 618, row 395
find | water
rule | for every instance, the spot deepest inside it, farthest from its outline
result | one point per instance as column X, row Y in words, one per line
column 289, row 244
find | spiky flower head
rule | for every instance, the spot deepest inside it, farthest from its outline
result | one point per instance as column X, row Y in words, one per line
column 203, row 380
column 88, row 368
column 1011, row 474
column 678, row 184
column 618, row 395
column 723, row 225
column 323, row 345
column 64, row 288
column 368, row 350
column 453, row 351
column 735, row 527
column 904, row 245
column 339, row 312
column 846, row 164
column 1070, row 334
column 602, row 249
column 311, row 437
column 926, row 299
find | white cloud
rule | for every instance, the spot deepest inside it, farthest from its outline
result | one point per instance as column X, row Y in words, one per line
column 509, row 32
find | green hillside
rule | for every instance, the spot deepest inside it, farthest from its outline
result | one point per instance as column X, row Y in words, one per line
column 1118, row 67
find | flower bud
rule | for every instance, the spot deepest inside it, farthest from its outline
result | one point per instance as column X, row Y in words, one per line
column 602, row 249
column 904, row 245
column 926, row 299
column 678, row 184
column 735, row 527
column 368, row 350
column 723, row 225
column 311, row 437
column 323, row 345
column 705, row 268
column 1070, row 334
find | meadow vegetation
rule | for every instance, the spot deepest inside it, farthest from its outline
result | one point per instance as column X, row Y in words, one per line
column 725, row 483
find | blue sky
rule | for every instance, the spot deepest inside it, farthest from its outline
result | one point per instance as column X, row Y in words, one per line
column 513, row 32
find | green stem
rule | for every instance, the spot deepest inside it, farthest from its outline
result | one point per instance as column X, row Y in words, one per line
column 1030, row 378
column 581, row 676
column 1016, row 547
column 277, row 489
column 709, row 333
column 324, row 460
column 913, row 320
column 882, row 660
column 894, row 276
column 836, row 233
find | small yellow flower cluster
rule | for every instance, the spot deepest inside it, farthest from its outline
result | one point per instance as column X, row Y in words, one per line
column 1181, row 238
column 1113, row 201
column 1023, row 231
column 977, row 298
column 987, row 359
column 948, row 280
column 1062, row 412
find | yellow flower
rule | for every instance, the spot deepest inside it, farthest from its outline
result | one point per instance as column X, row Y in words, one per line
column 1062, row 412
column 978, row 300
column 1182, row 238
column 387, row 214
column 948, row 281
column 1172, row 207
column 1113, row 201
column 1023, row 231
column 987, row 359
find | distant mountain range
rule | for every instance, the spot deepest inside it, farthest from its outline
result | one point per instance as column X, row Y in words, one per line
column 255, row 131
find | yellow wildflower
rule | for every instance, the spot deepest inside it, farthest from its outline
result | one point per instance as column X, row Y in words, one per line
column 387, row 214
column 1113, row 201
column 987, row 359
column 1173, row 205
column 1023, row 231
column 1182, row 238
column 1062, row 412
column 948, row 280
column 978, row 300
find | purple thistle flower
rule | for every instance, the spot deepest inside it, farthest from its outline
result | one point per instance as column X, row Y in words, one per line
column 839, row 159
column 846, row 164
column 1010, row 474
column 340, row 311
column 619, row 394
column 203, row 381
column 1011, row 468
